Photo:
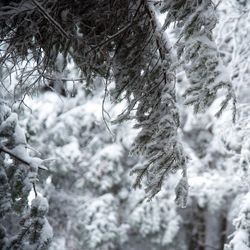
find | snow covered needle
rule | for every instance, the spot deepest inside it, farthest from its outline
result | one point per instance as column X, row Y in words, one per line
column 157, row 116
column 181, row 192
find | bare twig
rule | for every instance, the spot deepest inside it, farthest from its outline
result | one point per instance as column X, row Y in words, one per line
column 34, row 188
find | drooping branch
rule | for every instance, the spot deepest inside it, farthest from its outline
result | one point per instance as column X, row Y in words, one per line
column 152, row 100
column 198, row 55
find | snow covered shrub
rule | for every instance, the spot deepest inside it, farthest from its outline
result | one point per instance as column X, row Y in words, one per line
column 18, row 175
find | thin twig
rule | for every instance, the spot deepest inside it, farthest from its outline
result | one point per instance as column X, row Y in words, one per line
column 34, row 188
column 103, row 103
column 51, row 19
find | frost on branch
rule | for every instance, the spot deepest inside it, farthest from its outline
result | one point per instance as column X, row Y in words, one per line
column 151, row 101
column 198, row 54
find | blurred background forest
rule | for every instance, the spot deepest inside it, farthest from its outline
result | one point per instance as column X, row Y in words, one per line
column 92, row 204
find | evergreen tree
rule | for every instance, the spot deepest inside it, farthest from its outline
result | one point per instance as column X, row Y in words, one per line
column 90, row 177
column 240, row 240
column 18, row 176
column 36, row 233
column 123, row 41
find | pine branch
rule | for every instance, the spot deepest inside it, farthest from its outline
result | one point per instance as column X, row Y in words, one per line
column 9, row 152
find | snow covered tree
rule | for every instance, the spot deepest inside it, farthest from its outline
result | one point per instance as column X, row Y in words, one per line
column 123, row 41
column 240, row 239
column 18, row 175
column 36, row 232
